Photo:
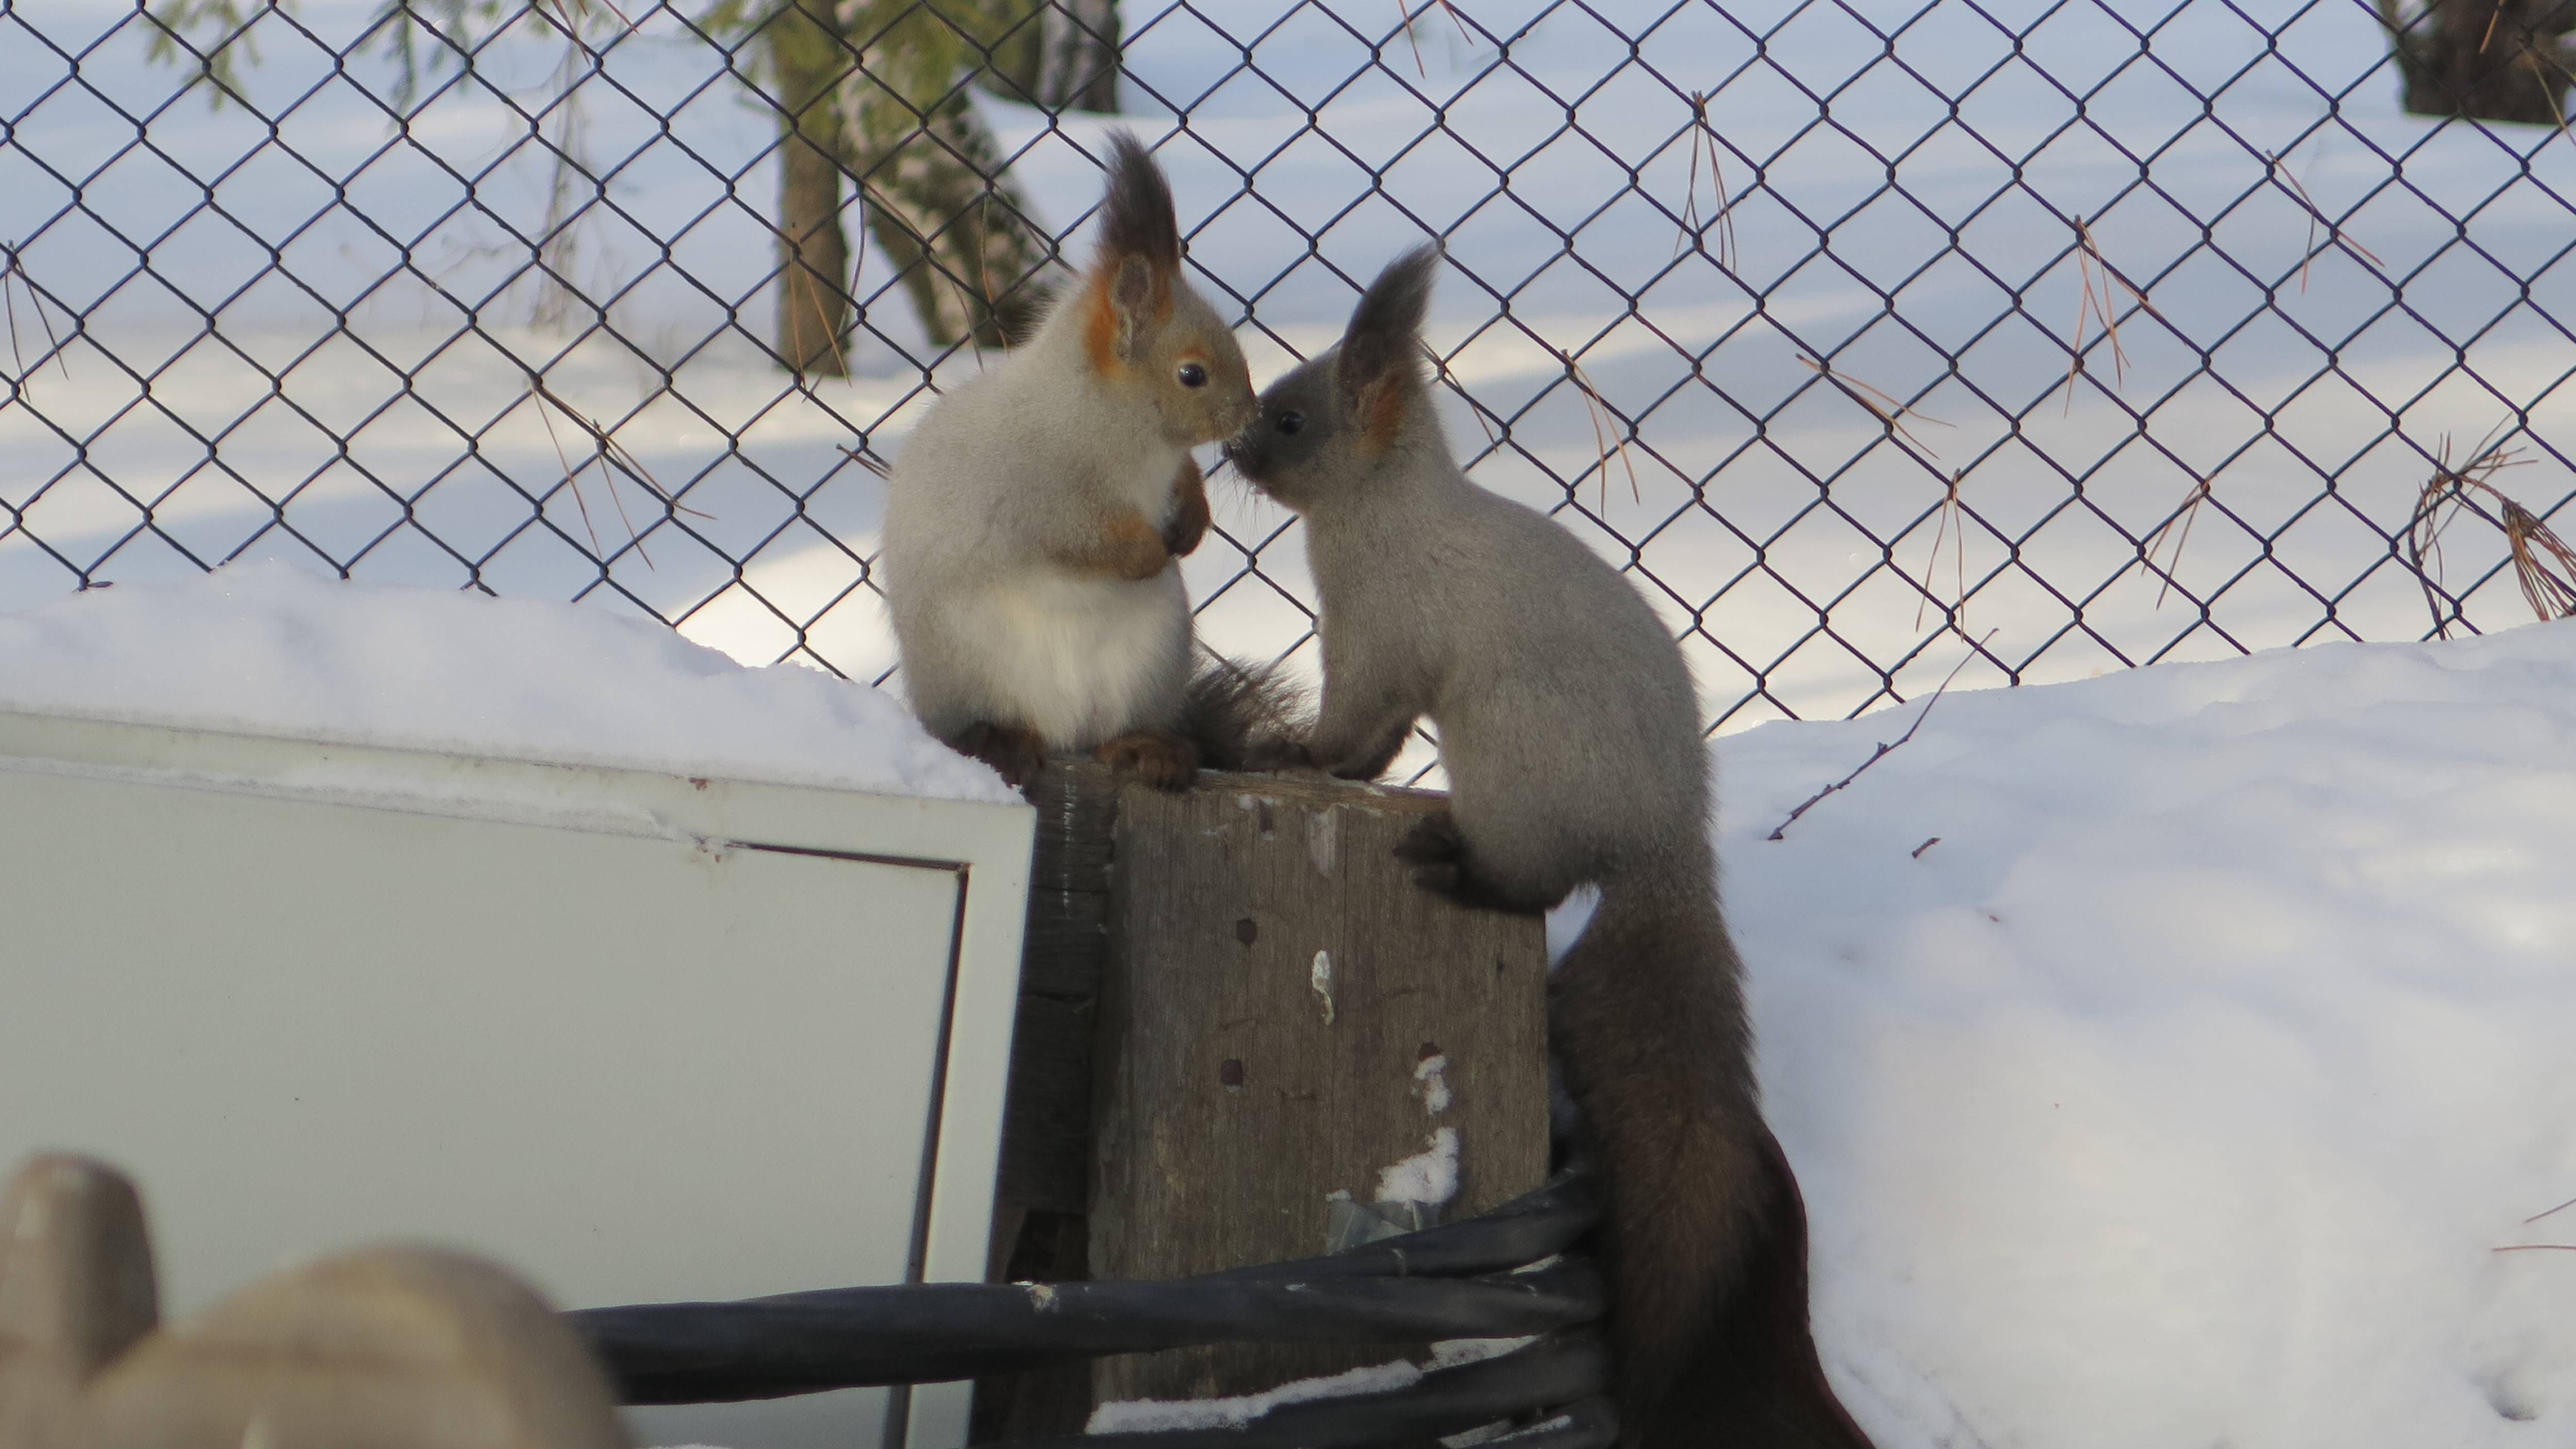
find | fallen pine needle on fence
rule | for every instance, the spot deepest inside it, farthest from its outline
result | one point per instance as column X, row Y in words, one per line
column 609, row 454
column 13, row 269
column 2317, row 218
column 1886, row 749
column 1890, row 413
column 1957, row 528
column 1449, row 379
column 1605, row 436
column 2155, row 541
column 2096, row 304
column 1409, row 15
column 1704, row 138
column 2543, row 563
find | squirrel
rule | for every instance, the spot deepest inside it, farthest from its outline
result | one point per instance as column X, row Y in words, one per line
column 1570, row 728
column 1034, row 518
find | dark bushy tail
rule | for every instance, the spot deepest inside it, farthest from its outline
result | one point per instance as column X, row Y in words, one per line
column 1706, row 1240
column 1233, row 709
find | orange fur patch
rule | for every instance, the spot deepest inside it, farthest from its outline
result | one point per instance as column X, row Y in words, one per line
column 1382, row 415
column 1100, row 327
column 1130, row 547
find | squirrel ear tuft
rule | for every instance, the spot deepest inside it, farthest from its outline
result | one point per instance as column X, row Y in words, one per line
column 1136, row 217
column 1379, row 362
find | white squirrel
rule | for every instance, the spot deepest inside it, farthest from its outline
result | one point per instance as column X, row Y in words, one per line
column 1570, row 729
column 1035, row 518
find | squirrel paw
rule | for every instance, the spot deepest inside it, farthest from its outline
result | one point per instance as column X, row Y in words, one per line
column 1438, row 854
column 1017, row 754
column 1162, row 760
column 1433, row 841
column 1275, row 757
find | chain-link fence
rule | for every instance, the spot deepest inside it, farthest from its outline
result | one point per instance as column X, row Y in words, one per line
column 1870, row 335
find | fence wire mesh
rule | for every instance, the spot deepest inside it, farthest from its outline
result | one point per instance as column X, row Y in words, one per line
column 2054, row 335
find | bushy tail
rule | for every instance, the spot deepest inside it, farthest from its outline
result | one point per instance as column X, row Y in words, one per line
column 1707, row 1235
column 1233, row 709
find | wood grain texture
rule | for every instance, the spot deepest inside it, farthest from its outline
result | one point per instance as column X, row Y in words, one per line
column 1237, row 1089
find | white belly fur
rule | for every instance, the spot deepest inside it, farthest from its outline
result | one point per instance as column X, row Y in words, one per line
column 1083, row 660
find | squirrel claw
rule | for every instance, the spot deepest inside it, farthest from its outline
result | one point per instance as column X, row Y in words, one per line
column 1016, row 754
column 1433, row 842
column 1164, row 761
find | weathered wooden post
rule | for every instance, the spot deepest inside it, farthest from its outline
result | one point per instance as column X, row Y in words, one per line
column 1288, row 1047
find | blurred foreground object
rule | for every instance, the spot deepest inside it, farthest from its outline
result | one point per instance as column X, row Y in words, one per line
column 385, row 1348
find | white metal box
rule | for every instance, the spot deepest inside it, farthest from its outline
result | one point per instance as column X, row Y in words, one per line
column 640, row 1036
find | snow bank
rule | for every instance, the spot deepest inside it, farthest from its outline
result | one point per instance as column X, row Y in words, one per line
column 2183, row 1092
column 1429, row 1177
column 268, row 649
column 1135, row 1416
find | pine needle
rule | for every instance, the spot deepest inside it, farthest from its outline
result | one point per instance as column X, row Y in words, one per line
column 2544, row 565
column 1889, row 748
column 2096, row 305
column 1704, row 138
column 1605, row 437
column 608, row 453
column 1890, row 413
column 2182, row 516
column 870, row 461
column 1408, row 16
column 2280, row 172
column 1956, row 526
column 13, row 268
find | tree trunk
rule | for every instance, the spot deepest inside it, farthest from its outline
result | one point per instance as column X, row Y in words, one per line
column 808, row 61
column 1058, row 55
column 961, row 236
column 2483, row 60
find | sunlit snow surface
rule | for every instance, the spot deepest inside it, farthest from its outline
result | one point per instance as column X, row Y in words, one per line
column 2183, row 1092
column 268, row 649
column 2179, row 1095
column 369, row 403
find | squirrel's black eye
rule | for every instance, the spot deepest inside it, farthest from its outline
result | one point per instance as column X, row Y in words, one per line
column 1193, row 375
column 1291, row 423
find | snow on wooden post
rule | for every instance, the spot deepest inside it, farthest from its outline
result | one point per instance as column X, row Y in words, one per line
column 1293, row 1042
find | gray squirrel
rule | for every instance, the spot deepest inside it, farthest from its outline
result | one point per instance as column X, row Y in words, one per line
column 1035, row 517
column 1570, row 730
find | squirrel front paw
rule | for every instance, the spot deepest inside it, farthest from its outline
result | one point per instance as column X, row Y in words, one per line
column 1160, row 759
column 1189, row 510
column 1016, row 754
column 1279, row 757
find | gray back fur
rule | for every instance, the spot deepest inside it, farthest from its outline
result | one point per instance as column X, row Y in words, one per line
column 1567, row 718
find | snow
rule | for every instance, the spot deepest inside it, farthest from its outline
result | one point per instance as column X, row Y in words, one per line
column 1429, row 1177
column 441, row 435
column 1431, row 1075
column 1132, row 1416
column 271, row 650
column 2179, row 1095
column 1149, row 1415
column 2184, row 1093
